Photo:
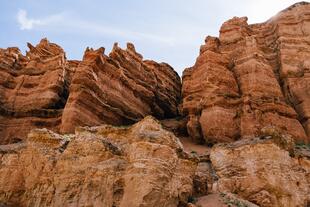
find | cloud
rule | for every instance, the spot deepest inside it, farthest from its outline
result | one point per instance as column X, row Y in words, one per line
column 24, row 22
column 261, row 11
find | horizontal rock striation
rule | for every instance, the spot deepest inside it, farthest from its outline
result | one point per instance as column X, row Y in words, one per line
column 33, row 89
column 142, row 165
column 268, row 171
column 250, row 77
column 44, row 89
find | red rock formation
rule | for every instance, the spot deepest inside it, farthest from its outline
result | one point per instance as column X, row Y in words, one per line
column 117, row 89
column 250, row 77
column 32, row 89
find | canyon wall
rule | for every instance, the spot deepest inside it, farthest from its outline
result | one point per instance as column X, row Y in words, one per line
column 249, row 77
column 268, row 170
column 45, row 90
column 249, row 87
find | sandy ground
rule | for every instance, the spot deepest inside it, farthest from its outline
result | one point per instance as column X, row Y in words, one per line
column 189, row 146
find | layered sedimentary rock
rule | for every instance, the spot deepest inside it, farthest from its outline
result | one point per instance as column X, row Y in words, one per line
column 120, row 89
column 33, row 89
column 250, row 77
column 268, row 171
column 44, row 89
column 142, row 165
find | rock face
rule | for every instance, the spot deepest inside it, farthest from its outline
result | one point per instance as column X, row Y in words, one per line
column 33, row 89
column 250, row 77
column 262, row 171
column 142, row 165
column 120, row 89
column 249, row 87
column 44, row 89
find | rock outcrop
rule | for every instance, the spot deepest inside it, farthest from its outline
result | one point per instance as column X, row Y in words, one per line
column 33, row 89
column 142, row 165
column 268, row 171
column 44, row 89
column 120, row 89
column 250, row 77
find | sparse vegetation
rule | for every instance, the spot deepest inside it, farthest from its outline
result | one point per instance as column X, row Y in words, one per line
column 231, row 201
column 302, row 145
column 238, row 113
column 192, row 199
column 122, row 126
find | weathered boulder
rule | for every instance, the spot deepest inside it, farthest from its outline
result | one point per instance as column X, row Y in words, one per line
column 44, row 89
column 251, row 77
column 141, row 165
column 264, row 170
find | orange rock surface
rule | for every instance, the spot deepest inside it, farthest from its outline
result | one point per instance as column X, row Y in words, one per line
column 268, row 171
column 142, row 165
column 33, row 89
column 119, row 89
column 249, row 87
column 44, row 89
column 250, row 77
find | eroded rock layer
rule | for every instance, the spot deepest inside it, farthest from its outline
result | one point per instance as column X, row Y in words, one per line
column 33, row 89
column 268, row 171
column 250, row 77
column 142, row 165
column 44, row 89
column 120, row 89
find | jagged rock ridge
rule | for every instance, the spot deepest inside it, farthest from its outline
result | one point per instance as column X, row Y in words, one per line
column 250, row 77
column 44, row 89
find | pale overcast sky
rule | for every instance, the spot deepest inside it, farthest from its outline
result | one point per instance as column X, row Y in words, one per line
column 163, row 30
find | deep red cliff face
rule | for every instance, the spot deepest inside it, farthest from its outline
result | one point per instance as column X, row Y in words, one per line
column 45, row 90
column 120, row 89
column 250, row 77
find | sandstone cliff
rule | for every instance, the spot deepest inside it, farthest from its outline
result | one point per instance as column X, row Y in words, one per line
column 142, row 165
column 44, row 89
column 250, row 77
column 249, row 87
column 119, row 89
column 268, row 171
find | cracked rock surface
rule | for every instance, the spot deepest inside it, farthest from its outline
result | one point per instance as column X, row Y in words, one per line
column 97, row 166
